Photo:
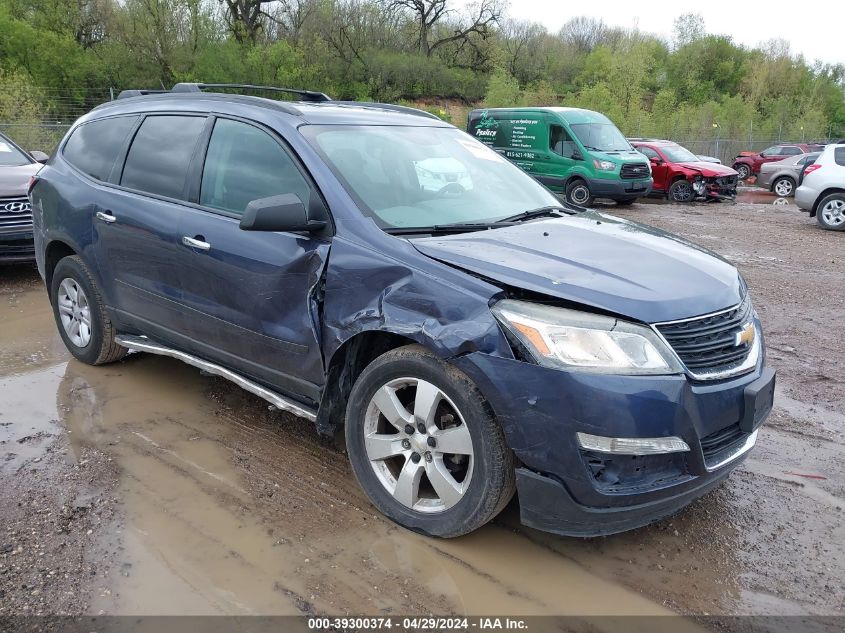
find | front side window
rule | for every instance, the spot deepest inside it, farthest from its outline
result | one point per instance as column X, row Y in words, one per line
column 560, row 142
column 244, row 163
column 772, row 151
column 408, row 176
column 648, row 152
column 160, row 153
column 93, row 147
column 600, row 137
column 791, row 150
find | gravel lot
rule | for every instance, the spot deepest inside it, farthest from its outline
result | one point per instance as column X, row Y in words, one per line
column 147, row 488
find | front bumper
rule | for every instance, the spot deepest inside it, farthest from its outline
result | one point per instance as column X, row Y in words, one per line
column 563, row 488
column 16, row 246
column 619, row 189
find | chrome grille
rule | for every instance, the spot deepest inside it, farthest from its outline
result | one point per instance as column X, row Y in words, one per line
column 709, row 343
column 15, row 213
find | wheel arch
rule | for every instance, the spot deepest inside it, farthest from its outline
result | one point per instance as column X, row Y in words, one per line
column 56, row 251
column 824, row 194
column 344, row 367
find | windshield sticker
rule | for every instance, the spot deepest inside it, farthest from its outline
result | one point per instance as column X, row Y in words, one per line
column 480, row 150
column 4, row 147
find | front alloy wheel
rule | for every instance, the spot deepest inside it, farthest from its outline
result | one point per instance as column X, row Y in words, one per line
column 681, row 191
column 418, row 445
column 742, row 171
column 425, row 445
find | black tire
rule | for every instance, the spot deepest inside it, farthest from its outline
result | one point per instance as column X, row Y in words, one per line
column 831, row 223
column 681, row 191
column 492, row 481
column 743, row 171
column 578, row 193
column 101, row 348
column 626, row 202
column 787, row 186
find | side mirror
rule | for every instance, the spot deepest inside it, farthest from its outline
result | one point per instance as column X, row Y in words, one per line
column 279, row 213
column 576, row 155
column 39, row 156
column 654, row 160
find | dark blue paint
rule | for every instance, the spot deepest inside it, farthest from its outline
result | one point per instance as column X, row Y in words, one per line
column 278, row 306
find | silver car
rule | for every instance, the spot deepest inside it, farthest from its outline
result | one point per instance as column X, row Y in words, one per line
column 823, row 191
column 784, row 176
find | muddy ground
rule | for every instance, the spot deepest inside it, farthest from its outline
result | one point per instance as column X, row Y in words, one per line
column 147, row 488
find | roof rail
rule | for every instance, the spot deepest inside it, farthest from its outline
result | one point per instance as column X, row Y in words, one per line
column 126, row 94
column 306, row 95
column 392, row 107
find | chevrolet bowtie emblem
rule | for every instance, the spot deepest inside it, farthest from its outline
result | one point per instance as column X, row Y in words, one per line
column 745, row 335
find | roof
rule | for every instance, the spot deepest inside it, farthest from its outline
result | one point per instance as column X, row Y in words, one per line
column 570, row 115
column 651, row 141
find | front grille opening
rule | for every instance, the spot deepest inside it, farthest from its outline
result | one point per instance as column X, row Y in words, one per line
column 632, row 473
column 709, row 343
column 630, row 171
column 11, row 217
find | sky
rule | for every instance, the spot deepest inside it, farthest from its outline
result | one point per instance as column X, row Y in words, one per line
column 808, row 31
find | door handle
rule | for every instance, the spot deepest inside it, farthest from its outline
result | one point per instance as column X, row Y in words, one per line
column 195, row 243
column 105, row 217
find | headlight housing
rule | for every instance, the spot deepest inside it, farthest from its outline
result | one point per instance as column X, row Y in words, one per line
column 569, row 339
column 604, row 165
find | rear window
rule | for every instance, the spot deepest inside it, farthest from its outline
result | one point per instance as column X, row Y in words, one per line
column 839, row 155
column 93, row 147
column 161, row 151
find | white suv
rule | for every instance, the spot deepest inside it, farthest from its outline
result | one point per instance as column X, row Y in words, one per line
column 822, row 192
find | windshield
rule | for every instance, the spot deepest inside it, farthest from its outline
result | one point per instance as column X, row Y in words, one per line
column 10, row 155
column 409, row 177
column 601, row 137
column 678, row 154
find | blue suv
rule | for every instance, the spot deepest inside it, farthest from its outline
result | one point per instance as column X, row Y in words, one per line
column 374, row 269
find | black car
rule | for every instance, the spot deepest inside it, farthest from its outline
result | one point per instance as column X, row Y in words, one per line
column 473, row 337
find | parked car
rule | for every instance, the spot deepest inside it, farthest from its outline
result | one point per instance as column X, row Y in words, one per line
column 681, row 176
column 748, row 164
column 469, row 342
column 708, row 159
column 822, row 193
column 574, row 152
column 16, row 168
column 782, row 177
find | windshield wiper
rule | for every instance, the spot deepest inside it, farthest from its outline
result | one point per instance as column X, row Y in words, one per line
column 553, row 211
column 462, row 227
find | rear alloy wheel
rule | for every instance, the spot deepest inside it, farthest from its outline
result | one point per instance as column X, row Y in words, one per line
column 425, row 446
column 830, row 213
column 681, row 191
column 784, row 186
column 743, row 171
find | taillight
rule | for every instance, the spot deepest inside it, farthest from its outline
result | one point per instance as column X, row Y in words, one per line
column 811, row 169
column 32, row 181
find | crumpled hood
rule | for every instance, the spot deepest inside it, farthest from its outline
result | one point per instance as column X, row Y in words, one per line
column 14, row 179
column 596, row 260
column 710, row 170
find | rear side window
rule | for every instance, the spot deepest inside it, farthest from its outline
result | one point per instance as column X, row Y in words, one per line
column 160, row 154
column 839, row 155
column 93, row 147
column 244, row 163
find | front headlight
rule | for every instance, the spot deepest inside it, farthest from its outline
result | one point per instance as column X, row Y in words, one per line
column 604, row 165
column 569, row 339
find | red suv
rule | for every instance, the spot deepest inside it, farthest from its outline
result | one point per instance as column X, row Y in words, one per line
column 682, row 176
column 748, row 163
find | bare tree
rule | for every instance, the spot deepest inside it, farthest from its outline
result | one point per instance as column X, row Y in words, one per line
column 583, row 33
column 246, row 18
column 428, row 14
